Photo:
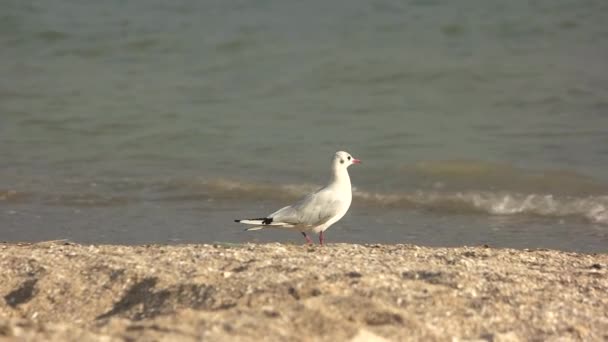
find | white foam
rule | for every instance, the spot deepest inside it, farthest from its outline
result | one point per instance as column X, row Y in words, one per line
column 592, row 208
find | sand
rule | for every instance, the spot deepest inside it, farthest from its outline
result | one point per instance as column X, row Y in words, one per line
column 61, row 291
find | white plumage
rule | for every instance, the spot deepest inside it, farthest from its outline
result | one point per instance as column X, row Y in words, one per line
column 319, row 210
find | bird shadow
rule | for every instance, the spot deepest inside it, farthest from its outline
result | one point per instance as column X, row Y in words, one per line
column 140, row 293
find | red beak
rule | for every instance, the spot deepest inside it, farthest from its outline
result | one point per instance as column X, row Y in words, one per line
column 356, row 161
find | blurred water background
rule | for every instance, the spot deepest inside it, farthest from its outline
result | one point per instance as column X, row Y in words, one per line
column 478, row 122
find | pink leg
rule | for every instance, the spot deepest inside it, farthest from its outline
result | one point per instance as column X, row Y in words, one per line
column 321, row 238
column 308, row 240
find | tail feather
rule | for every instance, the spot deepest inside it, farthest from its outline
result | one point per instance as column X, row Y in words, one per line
column 261, row 223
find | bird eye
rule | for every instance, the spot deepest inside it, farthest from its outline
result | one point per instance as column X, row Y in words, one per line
column 348, row 157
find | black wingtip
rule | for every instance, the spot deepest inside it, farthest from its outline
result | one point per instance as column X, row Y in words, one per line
column 237, row 220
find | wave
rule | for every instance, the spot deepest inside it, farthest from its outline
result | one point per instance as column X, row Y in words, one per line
column 482, row 175
column 71, row 199
column 591, row 208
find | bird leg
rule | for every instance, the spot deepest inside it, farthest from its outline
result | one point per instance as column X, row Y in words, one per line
column 321, row 238
column 308, row 240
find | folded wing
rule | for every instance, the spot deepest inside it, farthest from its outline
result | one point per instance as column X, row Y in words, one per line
column 313, row 210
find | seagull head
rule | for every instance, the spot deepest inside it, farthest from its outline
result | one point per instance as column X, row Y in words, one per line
column 344, row 159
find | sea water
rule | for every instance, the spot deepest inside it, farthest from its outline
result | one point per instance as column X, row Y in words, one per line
column 478, row 122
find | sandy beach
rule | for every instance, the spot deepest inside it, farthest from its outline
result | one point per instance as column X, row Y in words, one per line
column 61, row 291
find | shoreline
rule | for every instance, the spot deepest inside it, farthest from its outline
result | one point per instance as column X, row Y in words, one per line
column 62, row 291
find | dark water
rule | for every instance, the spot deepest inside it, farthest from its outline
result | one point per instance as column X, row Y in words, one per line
column 479, row 122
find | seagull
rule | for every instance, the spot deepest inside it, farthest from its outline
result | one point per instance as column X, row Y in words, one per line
column 317, row 211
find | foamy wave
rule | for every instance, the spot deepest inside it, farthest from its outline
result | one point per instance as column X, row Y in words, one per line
column 592, row 208
column 462, row 175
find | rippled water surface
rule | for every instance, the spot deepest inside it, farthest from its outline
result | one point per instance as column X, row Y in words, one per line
column 478, row 122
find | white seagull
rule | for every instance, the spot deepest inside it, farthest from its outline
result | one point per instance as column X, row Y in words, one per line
column 319, row 210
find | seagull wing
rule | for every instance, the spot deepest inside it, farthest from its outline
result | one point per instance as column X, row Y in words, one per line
column 313, row 210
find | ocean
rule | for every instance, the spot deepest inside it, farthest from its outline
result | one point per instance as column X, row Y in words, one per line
column 478, row 122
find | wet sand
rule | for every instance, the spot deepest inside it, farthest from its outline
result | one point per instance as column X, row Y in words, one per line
column 60, row 291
